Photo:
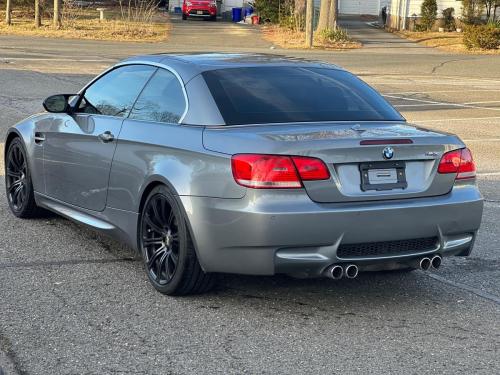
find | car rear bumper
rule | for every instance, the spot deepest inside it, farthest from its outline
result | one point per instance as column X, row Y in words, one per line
column 269, row 232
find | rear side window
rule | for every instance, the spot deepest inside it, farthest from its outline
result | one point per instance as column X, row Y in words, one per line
column 260, row 95
column 162, row 100
column 115, row 93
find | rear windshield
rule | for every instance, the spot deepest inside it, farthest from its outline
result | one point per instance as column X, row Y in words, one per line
column 262, row 95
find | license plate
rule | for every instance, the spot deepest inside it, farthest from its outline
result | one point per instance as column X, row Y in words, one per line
column 383, row 175
column 199, row 12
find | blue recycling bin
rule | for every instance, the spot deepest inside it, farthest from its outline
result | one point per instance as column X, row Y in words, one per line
column 237, row 14
column 247, row 11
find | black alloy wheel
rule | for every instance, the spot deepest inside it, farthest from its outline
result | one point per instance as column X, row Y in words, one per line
column 15, row 173
column 18, row 184
column 167, row 249
column 160, row 241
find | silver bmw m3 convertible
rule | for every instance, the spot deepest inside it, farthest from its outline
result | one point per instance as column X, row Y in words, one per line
column 249, row 164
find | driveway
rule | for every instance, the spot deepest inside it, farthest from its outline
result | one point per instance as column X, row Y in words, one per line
column 199, row 33
column 374, row 37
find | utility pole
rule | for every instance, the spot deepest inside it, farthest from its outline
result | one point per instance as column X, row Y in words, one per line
column 8, row 13
column 309, row 23
column 38, row 20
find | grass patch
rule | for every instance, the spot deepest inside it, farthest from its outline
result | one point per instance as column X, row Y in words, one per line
column 287, row 38
column 447, row 41
column 86, row 25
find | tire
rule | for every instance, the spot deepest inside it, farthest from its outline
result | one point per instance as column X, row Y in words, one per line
column 213, row 19
column 167, row 249
column 18, row 183
column 184, row 17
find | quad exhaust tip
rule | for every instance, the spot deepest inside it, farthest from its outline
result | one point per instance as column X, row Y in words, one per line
column 335, row 272
column 351, row 271
column 425, row 263
column 436, row 261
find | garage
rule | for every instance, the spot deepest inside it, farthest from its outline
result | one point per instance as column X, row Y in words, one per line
column 361, row 7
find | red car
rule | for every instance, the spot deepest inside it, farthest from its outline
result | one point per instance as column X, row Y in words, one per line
column 199, row 8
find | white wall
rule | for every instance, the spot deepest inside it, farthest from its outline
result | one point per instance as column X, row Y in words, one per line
column 227, row 5
column 371, row 7
column 358, row 7
column 413, row 7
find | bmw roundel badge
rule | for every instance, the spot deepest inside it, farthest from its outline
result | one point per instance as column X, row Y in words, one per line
column 388, row 153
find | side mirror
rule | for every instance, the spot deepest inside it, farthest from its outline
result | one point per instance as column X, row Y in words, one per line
column 58, row 103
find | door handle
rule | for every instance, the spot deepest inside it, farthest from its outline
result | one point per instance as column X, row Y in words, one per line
column 106, row 137
column 39, row 138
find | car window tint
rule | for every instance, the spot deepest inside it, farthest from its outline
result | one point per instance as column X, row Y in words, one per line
column 162, row 100
column 295, row 94
column 115, row 93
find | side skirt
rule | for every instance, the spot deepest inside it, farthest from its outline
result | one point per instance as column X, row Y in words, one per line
column 116, row 223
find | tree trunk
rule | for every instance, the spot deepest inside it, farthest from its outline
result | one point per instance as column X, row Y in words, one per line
column 8, row 11
column 299, row 12
column 488, row 5
column 309, row 23
column 57, row 14
column 38, row 19
column 324, row 12
column 333, row 14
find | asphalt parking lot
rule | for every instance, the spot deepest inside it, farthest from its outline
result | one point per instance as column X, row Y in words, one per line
column 74, row 302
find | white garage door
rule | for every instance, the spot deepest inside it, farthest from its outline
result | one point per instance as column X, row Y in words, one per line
column 361, row 6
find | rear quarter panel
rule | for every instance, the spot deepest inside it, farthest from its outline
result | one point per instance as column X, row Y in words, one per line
column 173, row 154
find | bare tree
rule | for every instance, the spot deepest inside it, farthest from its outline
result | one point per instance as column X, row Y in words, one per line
column 38, row 18
column 8, row 12
column 488, row 4
column 324, row 14
column 333, row 14
column 57, row 14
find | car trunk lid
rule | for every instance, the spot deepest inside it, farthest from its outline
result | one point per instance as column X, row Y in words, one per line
column 354, row 154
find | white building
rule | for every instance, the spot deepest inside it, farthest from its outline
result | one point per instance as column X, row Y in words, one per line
column 402, row 11
column 359, row 7
column 347, row 7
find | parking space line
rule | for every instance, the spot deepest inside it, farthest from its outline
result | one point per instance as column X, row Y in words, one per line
column 431, row 102
column 420, row 105
column 433, row 79
column 465, row 287
column 436, row 91
column 457, row 119
column 486, row 174
column 6, row 59
column 486, row 102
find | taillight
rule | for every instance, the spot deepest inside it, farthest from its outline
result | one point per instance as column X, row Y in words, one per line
column 459, row 162
column 275, row 171
column 311, row 169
